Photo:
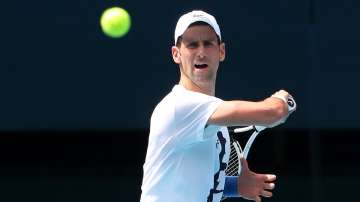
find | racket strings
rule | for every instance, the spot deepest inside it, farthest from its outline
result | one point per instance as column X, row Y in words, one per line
column 233, row 163
column 233, row 159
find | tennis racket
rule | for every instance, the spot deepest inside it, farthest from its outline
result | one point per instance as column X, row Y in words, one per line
column 236, row 152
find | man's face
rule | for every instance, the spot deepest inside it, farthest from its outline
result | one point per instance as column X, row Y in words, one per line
column 199, row 54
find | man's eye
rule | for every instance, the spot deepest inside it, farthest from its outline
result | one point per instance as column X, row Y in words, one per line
column 192, row 45
column 208, row 43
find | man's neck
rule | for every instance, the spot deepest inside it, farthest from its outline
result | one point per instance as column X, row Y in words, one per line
column 205, row 88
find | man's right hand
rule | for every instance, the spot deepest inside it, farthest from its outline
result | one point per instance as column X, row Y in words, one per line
column 287, row 100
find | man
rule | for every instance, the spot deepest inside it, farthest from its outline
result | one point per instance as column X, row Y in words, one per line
column 188, row 147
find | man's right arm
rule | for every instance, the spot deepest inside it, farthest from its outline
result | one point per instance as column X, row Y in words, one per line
column 243, row 113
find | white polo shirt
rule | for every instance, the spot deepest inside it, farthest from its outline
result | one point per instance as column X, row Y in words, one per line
column 186, row 159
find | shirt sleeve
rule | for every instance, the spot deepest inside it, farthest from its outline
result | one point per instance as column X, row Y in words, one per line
column 192, row 112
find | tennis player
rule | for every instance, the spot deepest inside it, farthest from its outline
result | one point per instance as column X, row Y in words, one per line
column 188, row 147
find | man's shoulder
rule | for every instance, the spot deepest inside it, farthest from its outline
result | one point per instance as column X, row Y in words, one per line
column 170, row 99
column 163, row 115
column 165, row 105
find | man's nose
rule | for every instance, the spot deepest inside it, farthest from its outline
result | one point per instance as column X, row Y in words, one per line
column 201, row 52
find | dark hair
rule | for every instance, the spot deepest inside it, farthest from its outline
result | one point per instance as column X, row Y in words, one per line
column 179, row 39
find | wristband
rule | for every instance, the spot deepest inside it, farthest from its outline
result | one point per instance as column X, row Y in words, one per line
column 231, row 186
column 281, row 98
column 290, row 103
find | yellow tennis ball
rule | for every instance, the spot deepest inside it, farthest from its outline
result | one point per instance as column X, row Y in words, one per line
column 115, row 22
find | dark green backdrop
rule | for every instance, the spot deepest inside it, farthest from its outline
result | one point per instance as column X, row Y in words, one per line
column 58, row 70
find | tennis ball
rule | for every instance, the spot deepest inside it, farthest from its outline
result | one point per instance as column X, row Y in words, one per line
column 115, row 22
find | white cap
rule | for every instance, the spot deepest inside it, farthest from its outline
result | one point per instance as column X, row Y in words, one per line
column 195, row 16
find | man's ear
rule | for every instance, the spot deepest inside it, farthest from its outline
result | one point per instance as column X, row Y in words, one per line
column 222, row 51
column 176, row 54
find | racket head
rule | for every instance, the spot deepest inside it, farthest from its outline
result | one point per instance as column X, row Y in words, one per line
column 237, row 135
column 236, row 152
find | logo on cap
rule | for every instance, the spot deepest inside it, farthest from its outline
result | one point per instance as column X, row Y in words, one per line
column 197, row 15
